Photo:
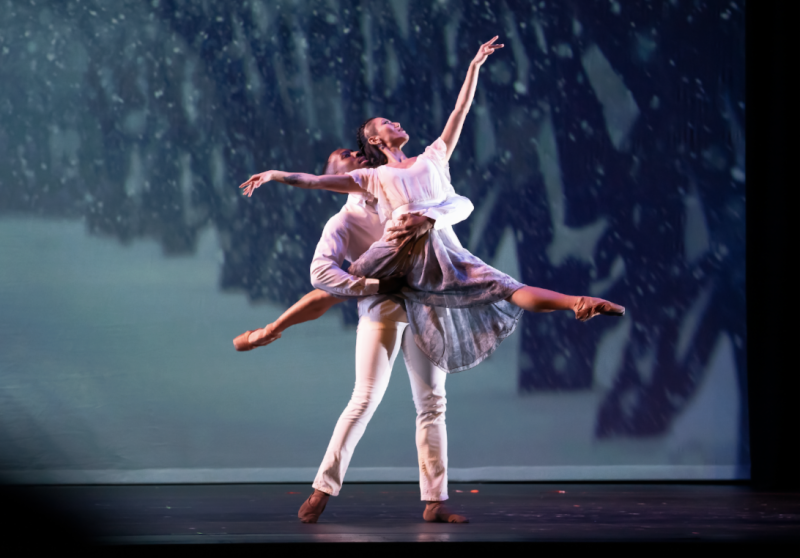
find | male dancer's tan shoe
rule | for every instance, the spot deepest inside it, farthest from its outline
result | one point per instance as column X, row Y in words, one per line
column 313, row 507
column 587, row 307
column 439, row 513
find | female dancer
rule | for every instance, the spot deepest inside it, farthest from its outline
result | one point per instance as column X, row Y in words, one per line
column 459, row 308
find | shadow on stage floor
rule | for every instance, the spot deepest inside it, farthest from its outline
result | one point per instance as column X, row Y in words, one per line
column 159, row 517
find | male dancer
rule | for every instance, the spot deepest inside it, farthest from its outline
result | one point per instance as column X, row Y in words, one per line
column 382, row 331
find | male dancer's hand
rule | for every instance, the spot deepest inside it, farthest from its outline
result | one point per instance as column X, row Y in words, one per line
column 409, row 225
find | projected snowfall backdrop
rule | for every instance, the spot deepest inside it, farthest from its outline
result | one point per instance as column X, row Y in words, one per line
column 605, row 154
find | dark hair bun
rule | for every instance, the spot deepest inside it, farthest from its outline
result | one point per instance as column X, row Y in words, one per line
column 375, row 157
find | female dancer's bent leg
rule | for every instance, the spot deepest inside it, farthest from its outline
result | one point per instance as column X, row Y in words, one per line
column 310, row 307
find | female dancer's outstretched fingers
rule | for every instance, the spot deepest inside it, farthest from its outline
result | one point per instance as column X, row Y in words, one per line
column 246, row 187
column 486, row 49
column 254, row 182
column 248, row 181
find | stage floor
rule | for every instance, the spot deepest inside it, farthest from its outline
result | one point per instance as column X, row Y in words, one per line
column 203, row 514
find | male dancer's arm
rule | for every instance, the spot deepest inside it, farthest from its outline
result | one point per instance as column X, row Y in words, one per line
column 452, row 210
column 326, row 266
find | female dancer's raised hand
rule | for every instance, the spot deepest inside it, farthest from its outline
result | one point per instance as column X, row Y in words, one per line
column 254, row 182
column 486, row 49
column 452, row 130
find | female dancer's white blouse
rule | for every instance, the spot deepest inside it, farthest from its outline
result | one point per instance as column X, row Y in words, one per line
column 421, row 188
column 457, row 305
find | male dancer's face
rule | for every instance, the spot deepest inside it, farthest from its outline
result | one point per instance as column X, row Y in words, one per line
column 345, row 160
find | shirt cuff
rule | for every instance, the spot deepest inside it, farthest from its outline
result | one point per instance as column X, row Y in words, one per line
column 371, row 287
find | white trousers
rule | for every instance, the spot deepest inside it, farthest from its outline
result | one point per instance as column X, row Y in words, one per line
column 377, row 344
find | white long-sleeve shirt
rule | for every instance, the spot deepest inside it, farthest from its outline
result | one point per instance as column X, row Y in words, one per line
column 346, row 236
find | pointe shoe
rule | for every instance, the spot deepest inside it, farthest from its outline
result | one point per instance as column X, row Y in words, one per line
column 313, row 507
column 439, row 513
column 587, row 307
column 253, row 338
column 242, row 342
column 261, row 338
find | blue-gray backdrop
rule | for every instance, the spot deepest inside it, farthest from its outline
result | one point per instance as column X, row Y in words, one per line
column 605, row 154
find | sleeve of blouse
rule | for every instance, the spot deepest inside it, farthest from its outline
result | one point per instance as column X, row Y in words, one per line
column 367, row 181
column 452, row 210
column 437, row 150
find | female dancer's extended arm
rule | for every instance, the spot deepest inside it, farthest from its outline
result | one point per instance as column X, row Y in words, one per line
column 452, row 129
column 339, row 183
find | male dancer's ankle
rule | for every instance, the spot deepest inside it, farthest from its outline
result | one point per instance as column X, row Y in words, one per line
column 437, row 512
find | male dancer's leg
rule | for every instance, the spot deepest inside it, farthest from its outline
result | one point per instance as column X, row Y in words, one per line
column 427, row 390
column 377, row 344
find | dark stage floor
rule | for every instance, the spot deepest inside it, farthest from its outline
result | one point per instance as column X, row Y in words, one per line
column 643, row 513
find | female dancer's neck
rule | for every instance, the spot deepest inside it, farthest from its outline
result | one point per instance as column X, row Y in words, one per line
column 394, row 154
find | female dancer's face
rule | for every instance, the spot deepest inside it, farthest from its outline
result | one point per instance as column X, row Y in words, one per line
column 383, row 131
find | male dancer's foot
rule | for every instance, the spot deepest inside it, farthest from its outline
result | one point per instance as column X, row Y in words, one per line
column 313, row 507
column 437, row 512
column 587, row 307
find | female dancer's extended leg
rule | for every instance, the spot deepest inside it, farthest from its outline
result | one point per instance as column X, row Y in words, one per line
column 310, row 307
column 534, row 299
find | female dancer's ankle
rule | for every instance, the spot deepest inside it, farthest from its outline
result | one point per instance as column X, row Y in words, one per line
column 269, row 332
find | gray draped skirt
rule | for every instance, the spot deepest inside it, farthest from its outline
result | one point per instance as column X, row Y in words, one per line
column 455, row 302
